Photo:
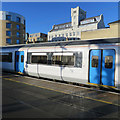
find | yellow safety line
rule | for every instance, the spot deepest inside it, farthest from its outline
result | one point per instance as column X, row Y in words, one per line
column 63, row 92
column 101, row 85
column 20, row 72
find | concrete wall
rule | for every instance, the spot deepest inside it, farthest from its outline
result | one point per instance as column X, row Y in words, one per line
column 111, row 32
column 71, row 30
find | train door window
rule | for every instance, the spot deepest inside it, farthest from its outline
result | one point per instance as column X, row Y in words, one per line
column 95, row 61
column 17, row 58
column 22, row 58
column 108, row 62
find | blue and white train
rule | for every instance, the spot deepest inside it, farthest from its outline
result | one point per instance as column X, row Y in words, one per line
column 95, row 62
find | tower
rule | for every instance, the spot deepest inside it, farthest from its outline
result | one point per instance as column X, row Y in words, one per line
column 77, row 14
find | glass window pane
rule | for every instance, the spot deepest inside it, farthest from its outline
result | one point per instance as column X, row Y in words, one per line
column 22, row 58
column 7, row 57
column 73, row 33
column 18, row 34
column 8, row 40
column 8, row 33
column 108, row 61
column 39, row 59
column 56, row 60
column 68, row 60
column 95, row 61
column 17, row 58
column 17, row 41
column 8, row 17
column 8, row 25
column 18, row 27
column 18, row 19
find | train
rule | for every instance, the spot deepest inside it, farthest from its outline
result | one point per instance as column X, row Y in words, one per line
column 88, row 62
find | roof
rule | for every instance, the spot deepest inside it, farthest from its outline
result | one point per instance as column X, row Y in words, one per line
column 70, row 23
column 114, row 22
column 63, row 23
column 67, row 43
column 90, row 18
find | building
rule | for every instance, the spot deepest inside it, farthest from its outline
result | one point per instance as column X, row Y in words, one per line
column 13, row 28
column 72, row 30
column 37, row 37
column 110, row 32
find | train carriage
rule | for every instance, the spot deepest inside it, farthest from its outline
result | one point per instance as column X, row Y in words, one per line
column 94, row 62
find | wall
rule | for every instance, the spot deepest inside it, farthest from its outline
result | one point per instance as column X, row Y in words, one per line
column 111, row 32
column 13, row 32
column 13, row 28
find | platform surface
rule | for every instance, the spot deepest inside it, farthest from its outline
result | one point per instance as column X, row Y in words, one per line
column 28, row 97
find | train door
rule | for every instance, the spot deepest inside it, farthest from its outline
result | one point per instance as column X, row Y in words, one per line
column 19, row 62
column 108, row 67
column 95, row 66
column 102, row 67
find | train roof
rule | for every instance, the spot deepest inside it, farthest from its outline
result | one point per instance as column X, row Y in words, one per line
column 67, row 43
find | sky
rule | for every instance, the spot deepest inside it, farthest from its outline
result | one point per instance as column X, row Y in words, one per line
column 41, row 16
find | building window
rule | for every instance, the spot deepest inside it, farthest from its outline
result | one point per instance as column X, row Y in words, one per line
column 55, row 35
column 70, row 34
column 8, row 40
column 18, row 19
column 8, row 25
column 74, row 11
column 18, row 34
column 73, row 33
column 17, row 41
column 95, row 19
column 66, row 34
column 8, row 17
column 18, row 27
column 8, row 33
column 24, row 22
column 62, row 35
column 77, row 33
column 59, row 35
column 74, row 17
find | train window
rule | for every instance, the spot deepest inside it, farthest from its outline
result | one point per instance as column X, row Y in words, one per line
column 17, row 58
column 56, row 60
column 22, row 58
column 68, row 60
column 6, row 57
column 39, row 59
column 78, row 59
column 108, row 61
column 63, row 60
column 95, row 61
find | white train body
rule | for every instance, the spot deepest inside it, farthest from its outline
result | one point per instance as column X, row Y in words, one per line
column 72, row 63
